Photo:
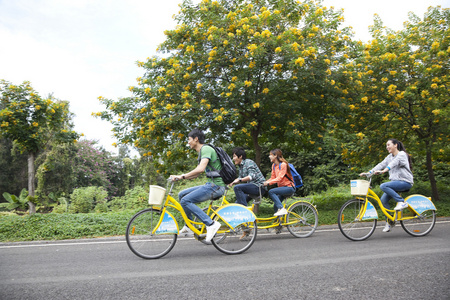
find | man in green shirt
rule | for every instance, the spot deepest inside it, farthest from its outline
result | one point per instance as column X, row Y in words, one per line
column 214, row 188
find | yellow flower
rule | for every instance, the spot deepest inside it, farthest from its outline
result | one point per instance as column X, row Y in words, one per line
column 247, row 83
column 252, row 47
column 300, row 61
column 231, row 86
column 266, row 33
column 199, row 86
column 256, row 105
column 436, row 112
column 234, row 78
column 265, row 91
column 254, row 123
column 277, row 49
column 434, row 86
column 416, row 127
column 251, row 65
column 35, row 124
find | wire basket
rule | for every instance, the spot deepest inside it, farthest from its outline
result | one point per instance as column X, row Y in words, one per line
column 156, row 195
column 359, row 187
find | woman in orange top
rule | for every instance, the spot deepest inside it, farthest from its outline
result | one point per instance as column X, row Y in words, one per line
column 281, row 176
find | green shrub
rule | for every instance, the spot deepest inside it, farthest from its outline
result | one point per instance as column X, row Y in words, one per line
column 83, row 200
column 133, row 199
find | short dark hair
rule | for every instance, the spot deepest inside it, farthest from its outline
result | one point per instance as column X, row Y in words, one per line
column 239, row 151
column 197, row 133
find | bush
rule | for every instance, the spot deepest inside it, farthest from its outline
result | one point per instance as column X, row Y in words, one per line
column 135, row 198
column 83, row 200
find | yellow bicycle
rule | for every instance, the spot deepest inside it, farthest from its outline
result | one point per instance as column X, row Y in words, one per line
column 152, row 232
column 358, row 217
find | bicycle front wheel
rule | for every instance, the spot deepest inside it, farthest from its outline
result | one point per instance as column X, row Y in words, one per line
column 350, row 223
column 419, row 225
column 235, row 240
column 140, row 237
column 303, row 217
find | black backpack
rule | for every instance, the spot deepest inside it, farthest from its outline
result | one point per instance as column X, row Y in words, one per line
column 228, row 171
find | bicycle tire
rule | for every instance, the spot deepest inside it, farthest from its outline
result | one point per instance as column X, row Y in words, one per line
column 140, row 239
column 350, row 225
column 421, row 224
column 232, row 241
column 306, row 219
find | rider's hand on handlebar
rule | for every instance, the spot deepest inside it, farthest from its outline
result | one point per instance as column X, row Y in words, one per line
column 175, row 177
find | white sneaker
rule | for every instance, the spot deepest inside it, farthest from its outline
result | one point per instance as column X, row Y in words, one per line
column 387, row 228
column 211, row 231
column 186, row 231
column 281, row 212
column 401, row 206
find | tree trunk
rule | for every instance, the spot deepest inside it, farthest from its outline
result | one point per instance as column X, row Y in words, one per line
column 31, row 187
column 257, row 147
column 434, row 190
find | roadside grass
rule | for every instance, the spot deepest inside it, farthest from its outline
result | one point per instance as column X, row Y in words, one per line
column 51, row 226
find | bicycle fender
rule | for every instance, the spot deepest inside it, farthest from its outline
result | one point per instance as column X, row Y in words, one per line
column 420, row 203
column 235, row 214
column 167, row 225
column 370, row 212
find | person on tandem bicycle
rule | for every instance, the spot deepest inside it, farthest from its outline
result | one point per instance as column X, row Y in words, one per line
column 282, row 177
column 250, row 179
column 214, row 188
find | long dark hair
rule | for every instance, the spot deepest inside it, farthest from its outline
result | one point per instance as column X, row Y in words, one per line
column 279, row 155
column 401, row 147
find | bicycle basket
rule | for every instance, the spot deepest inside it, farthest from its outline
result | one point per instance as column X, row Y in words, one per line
column 156, row 195
column 359, row 187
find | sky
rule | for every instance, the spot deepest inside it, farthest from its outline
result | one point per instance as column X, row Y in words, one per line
column 79, row 50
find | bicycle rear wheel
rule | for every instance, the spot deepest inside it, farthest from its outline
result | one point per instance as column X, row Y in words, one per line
column 236, row 240
column 142, row 241
column 305, row 217
column 419, row 225
column 350, row 224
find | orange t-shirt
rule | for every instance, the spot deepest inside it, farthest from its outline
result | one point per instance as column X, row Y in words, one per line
column 278, row 175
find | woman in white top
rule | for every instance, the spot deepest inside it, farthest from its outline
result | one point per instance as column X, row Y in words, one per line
column 398, row 163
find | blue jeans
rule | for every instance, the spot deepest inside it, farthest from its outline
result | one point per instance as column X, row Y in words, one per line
column 197, row 194
column 242, row 192
column 278, row 194
column 390, row 190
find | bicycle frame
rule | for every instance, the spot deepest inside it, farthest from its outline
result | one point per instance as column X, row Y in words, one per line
column 275, row 220
column 368, row 211
column 225, row 212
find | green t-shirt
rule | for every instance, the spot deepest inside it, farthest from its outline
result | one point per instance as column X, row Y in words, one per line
column 214, row 162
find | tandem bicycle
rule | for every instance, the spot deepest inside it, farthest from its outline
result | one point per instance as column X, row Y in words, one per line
column 358, row 217
column 152, row 233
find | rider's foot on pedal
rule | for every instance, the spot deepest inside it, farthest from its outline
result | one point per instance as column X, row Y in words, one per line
column 401, row 205
column 280, row 212
column 186, row 231
column 211, row 231
column 387, row 228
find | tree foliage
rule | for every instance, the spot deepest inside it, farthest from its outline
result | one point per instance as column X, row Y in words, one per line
column 398, row 86
column 31, row 122
column 248, row 72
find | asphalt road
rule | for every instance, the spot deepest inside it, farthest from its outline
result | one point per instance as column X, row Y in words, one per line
column 324, row 266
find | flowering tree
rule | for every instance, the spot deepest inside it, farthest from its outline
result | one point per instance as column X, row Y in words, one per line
column 250, row 72
column 399, row 87
column 31, row 122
